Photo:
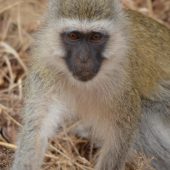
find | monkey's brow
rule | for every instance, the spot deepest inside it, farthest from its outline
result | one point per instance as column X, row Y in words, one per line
column 85, row 32
column 65, row 24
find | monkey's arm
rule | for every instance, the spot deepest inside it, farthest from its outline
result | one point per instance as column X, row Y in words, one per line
column 119, row 132
column 41, row 117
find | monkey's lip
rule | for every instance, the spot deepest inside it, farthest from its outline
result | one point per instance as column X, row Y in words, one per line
column 84, row 76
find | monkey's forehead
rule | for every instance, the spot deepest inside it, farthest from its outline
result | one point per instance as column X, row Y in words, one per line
column 86, row 9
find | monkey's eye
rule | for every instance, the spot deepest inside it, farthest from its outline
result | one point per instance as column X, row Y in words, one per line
column 96, row 37
column 73, row 36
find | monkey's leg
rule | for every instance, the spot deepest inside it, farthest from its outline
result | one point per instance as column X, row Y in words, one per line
column 154, row 135
column 39, row 124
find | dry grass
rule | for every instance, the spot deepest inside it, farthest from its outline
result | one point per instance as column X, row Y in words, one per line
column 19, row 19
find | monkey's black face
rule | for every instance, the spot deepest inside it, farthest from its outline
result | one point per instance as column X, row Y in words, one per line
column 84, row 53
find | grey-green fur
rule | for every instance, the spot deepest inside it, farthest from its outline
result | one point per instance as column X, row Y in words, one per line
column 84, row 9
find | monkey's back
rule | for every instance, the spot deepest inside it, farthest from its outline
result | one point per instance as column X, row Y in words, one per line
column 151, row 44
column 150, row 65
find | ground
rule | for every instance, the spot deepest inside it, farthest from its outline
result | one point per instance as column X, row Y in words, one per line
column 19, row 19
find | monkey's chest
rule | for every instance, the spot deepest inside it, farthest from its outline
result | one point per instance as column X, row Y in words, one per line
column 87, row 106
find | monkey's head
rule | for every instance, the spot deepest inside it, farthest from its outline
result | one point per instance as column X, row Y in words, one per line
column 84, row 37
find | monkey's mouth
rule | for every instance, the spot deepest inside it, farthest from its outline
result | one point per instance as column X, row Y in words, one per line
column 83, row 71
column 84, row 75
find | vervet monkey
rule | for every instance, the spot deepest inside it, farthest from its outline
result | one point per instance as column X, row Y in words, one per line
column 110, row 68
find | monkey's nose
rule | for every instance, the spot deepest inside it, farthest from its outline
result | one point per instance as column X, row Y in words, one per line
column 83, row 59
